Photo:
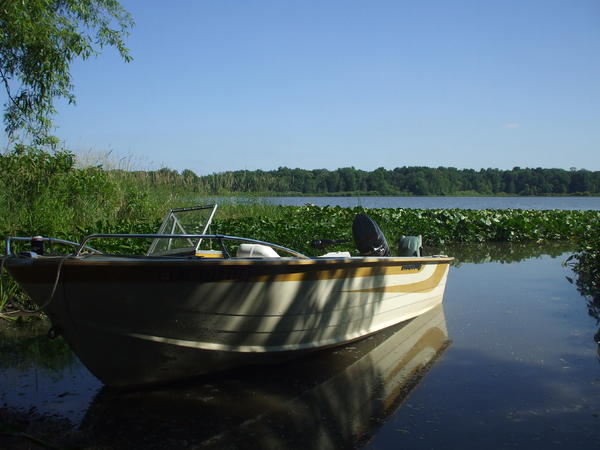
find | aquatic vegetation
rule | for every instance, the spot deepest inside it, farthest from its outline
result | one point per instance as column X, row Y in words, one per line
column 296, row 226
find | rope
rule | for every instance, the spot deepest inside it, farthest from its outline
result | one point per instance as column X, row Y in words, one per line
column 47, row 302
column 1, row 271
column 54, row 286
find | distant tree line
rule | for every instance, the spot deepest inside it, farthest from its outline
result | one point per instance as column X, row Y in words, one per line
column 398, row 181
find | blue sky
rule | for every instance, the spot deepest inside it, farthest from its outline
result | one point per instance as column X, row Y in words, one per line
column 257, row 84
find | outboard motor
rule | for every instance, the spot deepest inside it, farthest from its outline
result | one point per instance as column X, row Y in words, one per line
column 368, row 237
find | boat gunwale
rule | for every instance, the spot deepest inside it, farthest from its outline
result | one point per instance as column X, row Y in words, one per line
column 109, row 259
column 198, row 270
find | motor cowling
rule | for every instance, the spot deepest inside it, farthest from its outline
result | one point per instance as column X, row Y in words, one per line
column 368, row 237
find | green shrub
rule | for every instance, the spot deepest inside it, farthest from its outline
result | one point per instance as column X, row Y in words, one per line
column 585, row 262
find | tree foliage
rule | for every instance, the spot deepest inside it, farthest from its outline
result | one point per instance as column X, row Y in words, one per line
column 39, row 41
column 586, row 264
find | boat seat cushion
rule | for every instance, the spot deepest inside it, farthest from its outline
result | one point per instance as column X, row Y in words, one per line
column 255, row 251
column 336, row 255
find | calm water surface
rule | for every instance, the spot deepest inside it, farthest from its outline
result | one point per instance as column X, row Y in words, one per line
column 510, row 361
column 569, row 203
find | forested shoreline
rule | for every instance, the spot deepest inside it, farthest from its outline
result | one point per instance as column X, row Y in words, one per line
column 398, row 181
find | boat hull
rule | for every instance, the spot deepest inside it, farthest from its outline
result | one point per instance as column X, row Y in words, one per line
column 355, row 389
column 142, row 320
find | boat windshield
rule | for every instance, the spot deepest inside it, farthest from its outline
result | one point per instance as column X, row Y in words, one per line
column 193, row 220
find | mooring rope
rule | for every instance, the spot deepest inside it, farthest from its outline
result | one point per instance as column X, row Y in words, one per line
column 54, row 287
column 47, row 302
column 2, row 271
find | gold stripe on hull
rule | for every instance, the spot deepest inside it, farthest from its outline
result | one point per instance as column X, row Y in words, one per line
column 421, row 286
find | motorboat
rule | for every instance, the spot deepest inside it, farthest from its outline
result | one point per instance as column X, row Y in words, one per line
column 197, row 302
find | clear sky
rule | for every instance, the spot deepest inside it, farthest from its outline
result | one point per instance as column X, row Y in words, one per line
column 257, row 84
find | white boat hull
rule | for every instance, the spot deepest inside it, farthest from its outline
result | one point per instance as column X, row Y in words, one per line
column 331, row 400
column 135, row 321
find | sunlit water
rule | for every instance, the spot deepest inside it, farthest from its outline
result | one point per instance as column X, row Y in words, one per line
column 522, row 371
column 511, row 361
column 566, row 203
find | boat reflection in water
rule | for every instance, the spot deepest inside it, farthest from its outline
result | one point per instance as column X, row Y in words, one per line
column 336, row 398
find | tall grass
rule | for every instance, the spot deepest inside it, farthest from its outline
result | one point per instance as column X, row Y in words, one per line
column 46, row 193
column 50, row 194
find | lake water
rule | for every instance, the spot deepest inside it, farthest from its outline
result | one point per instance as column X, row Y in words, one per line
column 570, row 203
column 510, row 361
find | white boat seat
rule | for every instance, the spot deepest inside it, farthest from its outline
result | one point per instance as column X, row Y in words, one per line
column 336, row 255
column 255, row 251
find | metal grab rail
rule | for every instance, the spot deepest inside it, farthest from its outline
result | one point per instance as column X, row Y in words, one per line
column 219, row 237
column 9, row 239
